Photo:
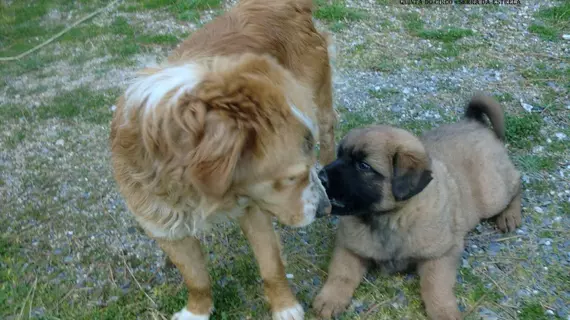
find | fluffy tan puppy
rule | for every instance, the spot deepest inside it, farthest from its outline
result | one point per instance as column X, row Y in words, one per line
column 226, row 127
column 408, row 201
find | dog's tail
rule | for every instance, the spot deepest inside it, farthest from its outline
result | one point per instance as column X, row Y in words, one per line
column 481, row 105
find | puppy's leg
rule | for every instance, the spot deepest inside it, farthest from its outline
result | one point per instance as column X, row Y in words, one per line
column 264, row 242
column 327, row 121
column 345, row 274
column 510, row 218
column 437, row 279
column 186, row 254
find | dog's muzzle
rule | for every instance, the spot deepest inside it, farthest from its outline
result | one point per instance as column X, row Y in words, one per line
column 324, row 207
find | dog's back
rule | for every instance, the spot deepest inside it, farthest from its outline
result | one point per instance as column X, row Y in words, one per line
column 476, row 157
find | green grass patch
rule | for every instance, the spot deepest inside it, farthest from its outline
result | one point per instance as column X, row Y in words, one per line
column 534, row 163
column 161, row 39
column 25, row 24
column 416, row 27
column 504, row 97
column 445, row 35
column 523, row 131
column 179, row 6
column 544, row 32
column 532, row 310
column 186, row 10
column 336, row 10
column 351, row 120
column 412, row 22
column 383, row 93
column 556, row 21
column 474, row 288
column 80, row 103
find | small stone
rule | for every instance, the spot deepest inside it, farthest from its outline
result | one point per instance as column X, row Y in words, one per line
column 527, row 106
column 538, row 149
column 59, row 142
column 289, row 276
column 560, row 136
column 538, row 209
column 486, row 314
column 566, row 36
column 549, row 312
column 113, row 108
column 545, row 241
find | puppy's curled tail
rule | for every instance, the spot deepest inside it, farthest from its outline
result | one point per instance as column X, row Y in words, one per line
column 481, row 105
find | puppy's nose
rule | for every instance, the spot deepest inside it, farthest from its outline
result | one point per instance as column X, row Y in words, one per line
column 324, row 178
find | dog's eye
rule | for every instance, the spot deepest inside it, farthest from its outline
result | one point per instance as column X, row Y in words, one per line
column 291, row 180
column 362, row 166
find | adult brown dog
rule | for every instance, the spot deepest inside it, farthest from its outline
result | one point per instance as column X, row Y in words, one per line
column 227, row 127
column 406, row 201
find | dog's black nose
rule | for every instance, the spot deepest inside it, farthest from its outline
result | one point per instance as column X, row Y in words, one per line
column 324, row 178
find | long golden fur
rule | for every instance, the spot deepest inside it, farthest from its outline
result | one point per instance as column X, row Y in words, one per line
column 417, row 199
column 227, row 127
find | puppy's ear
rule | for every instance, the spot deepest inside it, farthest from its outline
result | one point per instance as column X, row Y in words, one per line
column 411, row 173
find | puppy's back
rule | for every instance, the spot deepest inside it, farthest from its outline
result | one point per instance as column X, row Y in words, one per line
column 476, row 156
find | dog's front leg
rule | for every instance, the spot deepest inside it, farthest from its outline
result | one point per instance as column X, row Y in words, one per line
column 187, row 256
column 345, row 274
column 437, row 279
column 258, row 229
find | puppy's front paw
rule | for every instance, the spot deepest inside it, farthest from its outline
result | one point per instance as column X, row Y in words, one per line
column 509, row 220
column 184, row 314
column 294, row 313
column 328, row 303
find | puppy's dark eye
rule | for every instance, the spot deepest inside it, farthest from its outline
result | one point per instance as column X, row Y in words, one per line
column 362, row 166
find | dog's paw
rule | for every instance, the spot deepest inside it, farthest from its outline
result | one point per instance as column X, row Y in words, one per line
column 328, row 304
column 508, row 221
column 294, row 313
column 187, row 315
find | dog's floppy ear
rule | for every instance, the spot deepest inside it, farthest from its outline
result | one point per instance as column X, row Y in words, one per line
column 411, row 174
column 216, row 156
column 237, row 100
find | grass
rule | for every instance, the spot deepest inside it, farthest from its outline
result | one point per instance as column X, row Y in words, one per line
column 336, row 10
column 552, row 22
column 70, row 250
column 523, row 131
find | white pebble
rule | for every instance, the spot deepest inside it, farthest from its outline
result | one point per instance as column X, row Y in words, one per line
column 566, row 36
column 550, row 312
column 289, row 276
column 59, row 142
column 113, row 108
column 527, row 106
column 538, row 209
column 560, row 136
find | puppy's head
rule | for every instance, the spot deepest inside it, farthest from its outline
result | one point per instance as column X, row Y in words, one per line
column 232, row 127
column 376, row 170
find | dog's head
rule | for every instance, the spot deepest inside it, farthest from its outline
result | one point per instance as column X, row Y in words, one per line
column 232, row 127
column 377, row 168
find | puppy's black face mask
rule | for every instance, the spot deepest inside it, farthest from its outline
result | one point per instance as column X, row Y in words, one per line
column 352, row 185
